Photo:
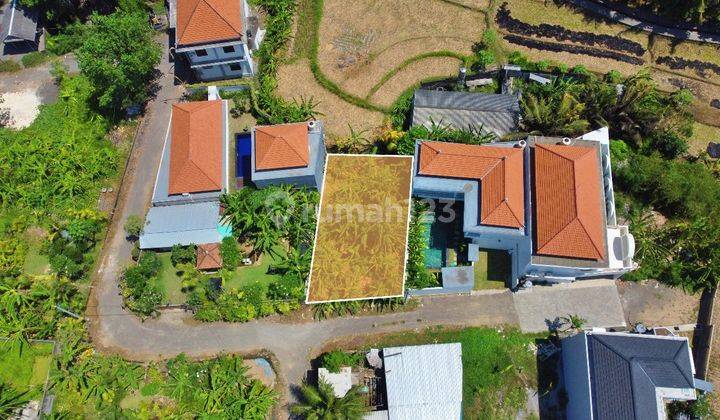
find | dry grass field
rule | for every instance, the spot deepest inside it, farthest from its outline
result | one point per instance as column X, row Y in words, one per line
column 362, row 40
column 296, row 80
column 361, row 239
column 363, row 45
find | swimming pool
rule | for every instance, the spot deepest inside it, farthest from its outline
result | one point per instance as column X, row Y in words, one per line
column 243, row 151
column 434, row 254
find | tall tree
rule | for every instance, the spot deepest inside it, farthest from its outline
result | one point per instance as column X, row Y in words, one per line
column 119, row 58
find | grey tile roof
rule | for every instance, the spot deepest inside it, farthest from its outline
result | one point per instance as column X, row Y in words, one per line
column 184, row 224
column 625, row 371
column 496, row 113
column 18, row 23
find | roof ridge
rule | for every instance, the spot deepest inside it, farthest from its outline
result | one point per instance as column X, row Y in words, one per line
column 187, row 25
column 209, row 178
column 218, row 13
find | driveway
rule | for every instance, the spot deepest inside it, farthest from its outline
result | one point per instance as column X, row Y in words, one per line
column 596, row 301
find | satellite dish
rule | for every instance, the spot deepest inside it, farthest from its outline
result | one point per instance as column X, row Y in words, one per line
column 641, row 328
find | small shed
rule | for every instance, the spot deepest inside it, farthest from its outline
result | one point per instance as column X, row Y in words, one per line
column 19, row 28
column 208, row 257
column 340, row 382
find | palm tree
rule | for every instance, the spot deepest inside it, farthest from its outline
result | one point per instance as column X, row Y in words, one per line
column 321, row 403
column 573, row 322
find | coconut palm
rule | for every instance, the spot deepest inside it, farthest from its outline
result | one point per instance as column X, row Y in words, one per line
column 321, row 403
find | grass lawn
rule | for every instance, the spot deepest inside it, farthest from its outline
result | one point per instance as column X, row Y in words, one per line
column 498, row 367
column 169, row 282
column 702, row 135
column 245, row 276
column 492, row 270
column 35, row 263
column 26, row 372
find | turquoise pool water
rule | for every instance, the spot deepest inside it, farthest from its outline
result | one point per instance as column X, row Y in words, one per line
column 224, row 230
column 434, row 254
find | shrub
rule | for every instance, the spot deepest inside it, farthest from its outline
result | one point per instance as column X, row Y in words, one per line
column 183, row 255
column 34, row 58
column 336, row 359
column 9, row 66
column 134, row 226
column 230, row 253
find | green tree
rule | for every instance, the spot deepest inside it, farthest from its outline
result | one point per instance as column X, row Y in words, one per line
column 119, row 57
column 321, row 403
column 230, row 253
column 134, row 226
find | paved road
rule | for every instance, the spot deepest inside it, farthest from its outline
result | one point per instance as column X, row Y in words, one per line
column 602, row 10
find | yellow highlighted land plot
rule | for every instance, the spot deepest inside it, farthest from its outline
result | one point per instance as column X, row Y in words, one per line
column 361, row 239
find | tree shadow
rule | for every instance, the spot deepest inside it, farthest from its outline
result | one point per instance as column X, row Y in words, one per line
column 551, row 394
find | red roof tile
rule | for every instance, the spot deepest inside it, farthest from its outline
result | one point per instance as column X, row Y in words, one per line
column 208, row 257
column 282, row 146
column 499, row 171
column 568, row 207
column 196, row 147
column 204, row 21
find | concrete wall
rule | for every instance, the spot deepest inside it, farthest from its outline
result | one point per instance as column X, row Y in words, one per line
column 577, row 377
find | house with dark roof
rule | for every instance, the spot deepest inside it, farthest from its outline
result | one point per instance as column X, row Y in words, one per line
column 19, row 29
column 626, row 376
column 215, row 37
column 495, row 113
column 288, row 154
column 192, row 174
column 547, row 202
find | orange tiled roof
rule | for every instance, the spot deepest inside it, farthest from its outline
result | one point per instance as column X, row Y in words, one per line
column 498, row 169
column 196, row 147
column 208, row 257
column 568, row 208
column 203, row 21
column 281, row 146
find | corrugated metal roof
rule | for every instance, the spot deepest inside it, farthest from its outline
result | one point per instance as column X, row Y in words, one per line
column 424, row 382
column 185, row 224
column 626, row 369
column 495, row 113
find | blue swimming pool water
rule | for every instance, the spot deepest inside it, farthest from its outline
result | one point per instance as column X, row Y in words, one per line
column 434, row 254
column 243, row 150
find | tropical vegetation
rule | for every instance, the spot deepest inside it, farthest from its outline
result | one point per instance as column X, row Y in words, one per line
column 319, row 402
column 88, row 384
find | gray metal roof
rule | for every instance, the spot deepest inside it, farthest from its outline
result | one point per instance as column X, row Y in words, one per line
column 18, row 23
column 424, row 382
column 496, row 113
column 185, row 224
column 627, row 370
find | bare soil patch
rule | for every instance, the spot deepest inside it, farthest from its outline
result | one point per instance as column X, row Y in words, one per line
column 296, row 80
column 655, row 304
column 23, row 105
column 355, row 52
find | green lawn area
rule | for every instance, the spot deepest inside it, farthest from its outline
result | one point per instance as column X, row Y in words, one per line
column 492, row 270
column 35, row 263
column 497, row 366
column 28, row 371
column 169, row 281
column 244, row 276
